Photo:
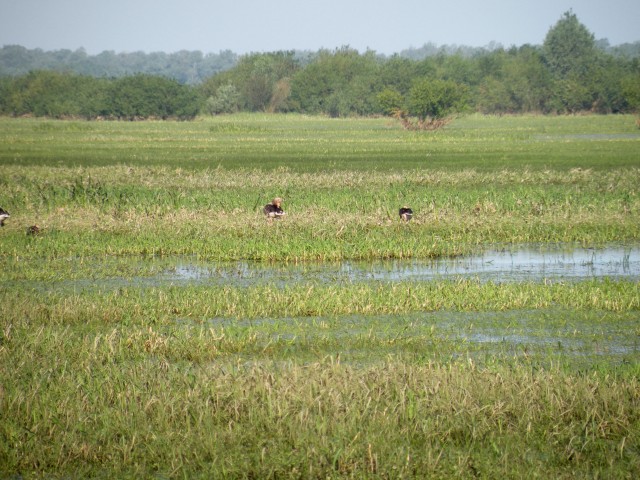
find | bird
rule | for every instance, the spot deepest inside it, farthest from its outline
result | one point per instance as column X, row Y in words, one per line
column 273, row 209
column 33, row 230
column 3, row 216
column 406, row 213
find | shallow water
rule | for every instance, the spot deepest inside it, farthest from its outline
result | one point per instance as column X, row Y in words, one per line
column 591, row 136
column 536, row 263
column 523, row 263
column 572, row 338
column 557, row 334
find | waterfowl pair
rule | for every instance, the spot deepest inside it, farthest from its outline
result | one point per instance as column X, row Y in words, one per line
column 274, row 210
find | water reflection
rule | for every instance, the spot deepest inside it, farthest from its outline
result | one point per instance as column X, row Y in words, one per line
column 528, row 263
column 535, row 263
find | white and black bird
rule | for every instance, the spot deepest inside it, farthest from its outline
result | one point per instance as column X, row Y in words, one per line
column 3, row 216
column 274, row 209
column 406, row 213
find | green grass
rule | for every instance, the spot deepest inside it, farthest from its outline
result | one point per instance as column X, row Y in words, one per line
column 311, row 144
column 131, row 398
column 445, row 379
column 341, row 215
column 198, row 187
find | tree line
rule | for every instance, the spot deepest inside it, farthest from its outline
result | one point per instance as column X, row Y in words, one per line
column 569, row 73
column 187, row 67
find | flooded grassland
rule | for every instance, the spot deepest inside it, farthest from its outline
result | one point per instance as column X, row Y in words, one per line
column 159, row 326
column 528, row 298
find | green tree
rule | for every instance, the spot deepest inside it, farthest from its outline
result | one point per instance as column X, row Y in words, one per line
column 436, row 99
column 280, row 96
column 571, row 56
column 569, row 48
column 338, row 83
column 398, row 73
column 529, row 79
column 256, row 78
column 458, row 69
column 516, row 81
column 46, row 94
column 225, row 100
column 495, row 96
column 390, row 101
column 146, row 96
column 606, row 86
column 631, row 91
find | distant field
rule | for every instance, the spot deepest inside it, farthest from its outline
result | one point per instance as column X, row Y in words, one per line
column 198, row 187
column 310, row 144
column 104, row 373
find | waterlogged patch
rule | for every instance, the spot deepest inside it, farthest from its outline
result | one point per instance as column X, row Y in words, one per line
column 524, row 263
column 591, row 136
column 574, row 338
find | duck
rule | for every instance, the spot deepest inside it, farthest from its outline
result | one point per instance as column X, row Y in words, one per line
column 274, row 209
column 406, row 213
column 3, row 216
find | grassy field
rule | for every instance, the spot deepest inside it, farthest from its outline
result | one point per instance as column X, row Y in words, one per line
column 365, row 379
column 198, row 187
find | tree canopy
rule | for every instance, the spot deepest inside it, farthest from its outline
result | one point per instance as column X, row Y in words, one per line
column 570, row 72
column 569, row 48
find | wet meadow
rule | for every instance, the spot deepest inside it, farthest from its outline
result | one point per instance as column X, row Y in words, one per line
column 157, row 325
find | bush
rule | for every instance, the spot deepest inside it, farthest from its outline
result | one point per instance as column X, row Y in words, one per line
column 59, row 95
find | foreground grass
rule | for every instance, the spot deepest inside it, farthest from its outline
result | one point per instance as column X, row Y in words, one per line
column 311, row 382
column 150, row 383
column 104, row 415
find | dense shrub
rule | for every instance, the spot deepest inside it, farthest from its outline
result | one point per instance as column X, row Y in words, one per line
column 59, row 95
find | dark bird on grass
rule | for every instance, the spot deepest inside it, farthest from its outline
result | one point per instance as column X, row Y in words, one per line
column 33, row 230
column 3, row 216
column 273, row 209
column 406, row 213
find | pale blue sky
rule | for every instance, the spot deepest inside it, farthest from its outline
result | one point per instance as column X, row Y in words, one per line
column 386, row 26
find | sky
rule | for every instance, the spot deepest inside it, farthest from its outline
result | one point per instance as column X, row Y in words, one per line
column 244, row 26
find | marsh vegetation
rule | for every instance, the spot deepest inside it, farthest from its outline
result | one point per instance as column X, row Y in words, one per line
column 115, row 362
